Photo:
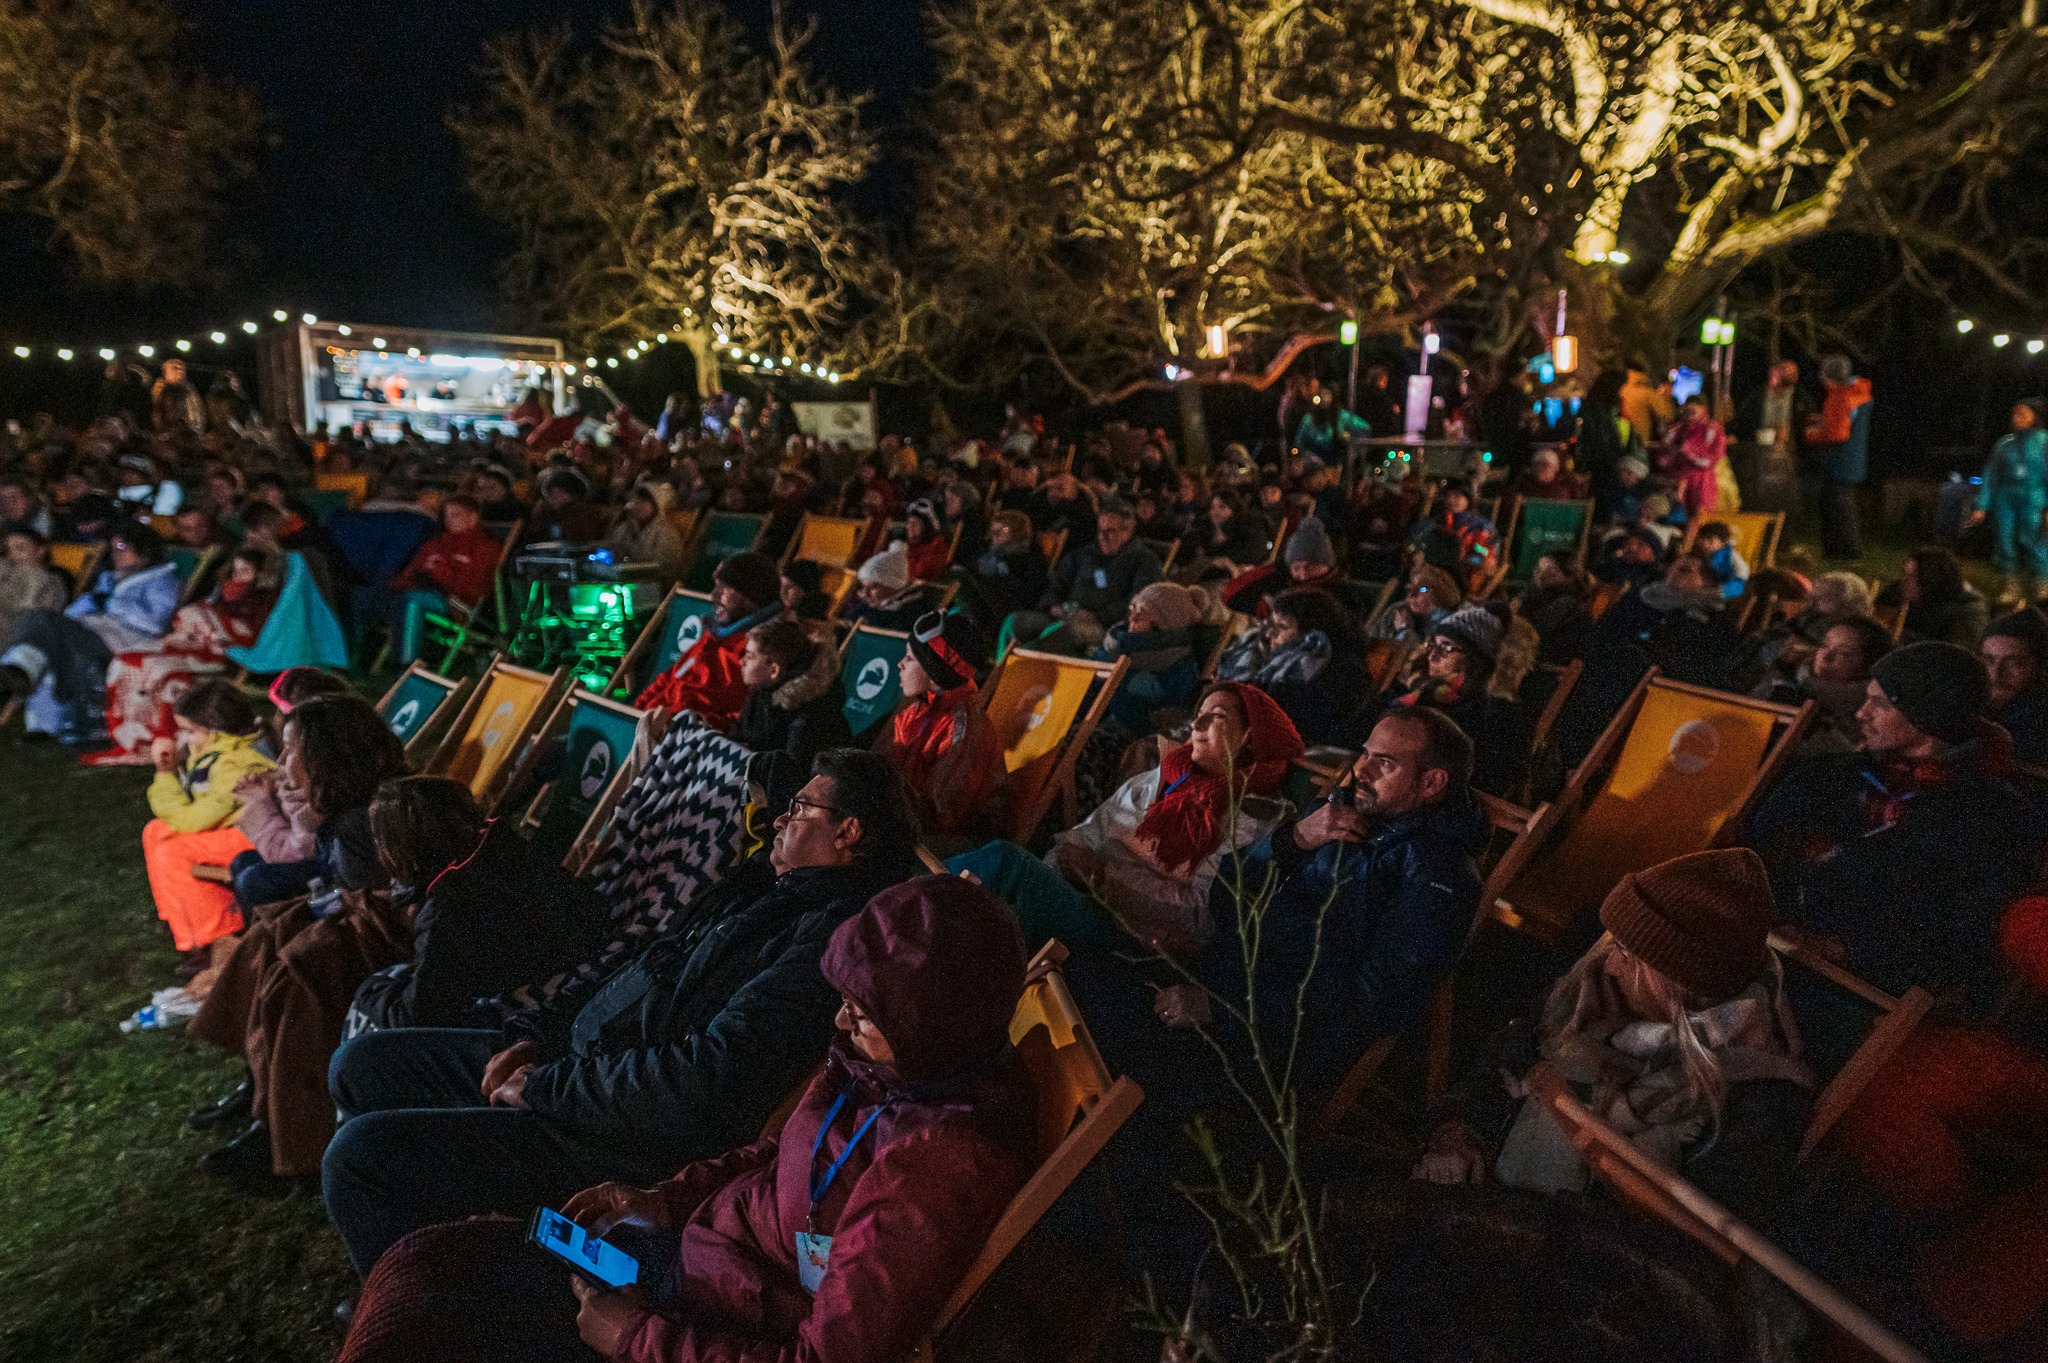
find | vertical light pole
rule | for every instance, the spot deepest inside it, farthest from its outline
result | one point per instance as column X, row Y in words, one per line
column 1347, row 335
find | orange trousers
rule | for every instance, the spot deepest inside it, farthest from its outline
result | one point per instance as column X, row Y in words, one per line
column 197, row 910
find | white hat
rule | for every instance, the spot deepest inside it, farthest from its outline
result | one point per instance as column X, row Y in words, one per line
column 890, row 568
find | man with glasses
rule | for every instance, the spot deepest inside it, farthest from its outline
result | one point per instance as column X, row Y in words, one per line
column 127, row 606
column 678, row 1055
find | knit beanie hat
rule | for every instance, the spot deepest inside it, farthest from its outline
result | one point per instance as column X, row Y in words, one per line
column 2029, row 626
column 1639, row 467
column 1699, row 920
column 1475, row 629
column 1940, row 688
column 1310, row 544
column 890, row 568
column 1171, row 605
column 752, row 576
column 945, row 646
column 1546, row 456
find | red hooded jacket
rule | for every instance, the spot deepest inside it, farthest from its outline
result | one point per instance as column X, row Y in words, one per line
column 459, row 566
column 949, row 756
column 938, row 964
column 706, row 679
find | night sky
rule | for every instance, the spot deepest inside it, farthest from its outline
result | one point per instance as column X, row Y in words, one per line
column 357, row 209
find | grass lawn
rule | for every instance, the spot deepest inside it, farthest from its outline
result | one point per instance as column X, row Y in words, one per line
column 112, row 1245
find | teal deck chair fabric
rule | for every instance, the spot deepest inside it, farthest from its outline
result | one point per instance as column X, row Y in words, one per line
column 727, row 533
column 1545, row 526
column 301, row 630
column 325, row 506
column 873, row 688
column 414, row 702
column 687, row 619
column 599, row 741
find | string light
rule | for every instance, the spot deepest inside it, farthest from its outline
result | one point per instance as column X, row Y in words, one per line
column 219, row 338
column 279, row 315
column 64, row 354
column 184, row 344
column 106, row 354
column 21, row 352
column 249, row 327
column 2001, row 340
column 147, row 352
column 1965, row 326
column 2034, row 347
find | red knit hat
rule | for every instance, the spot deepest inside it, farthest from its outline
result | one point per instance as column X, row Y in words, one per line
column 1700, row 920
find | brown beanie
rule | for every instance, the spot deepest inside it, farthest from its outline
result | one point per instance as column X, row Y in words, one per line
column 1700, row 920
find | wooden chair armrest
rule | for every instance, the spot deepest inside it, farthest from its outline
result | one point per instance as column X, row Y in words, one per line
column 217, row 875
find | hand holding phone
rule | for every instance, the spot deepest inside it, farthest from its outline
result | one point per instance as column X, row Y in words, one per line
column 602, row 1264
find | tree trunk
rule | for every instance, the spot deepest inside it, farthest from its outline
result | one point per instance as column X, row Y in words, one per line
column 704, row 352
column 1194, row 424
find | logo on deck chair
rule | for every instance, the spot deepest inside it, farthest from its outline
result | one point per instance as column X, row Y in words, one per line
column 1041, row 710
column 1694, row 746
column 689, row 632
column 407, row 716
column 597, row 766
column 872, row 679
column 495, row 726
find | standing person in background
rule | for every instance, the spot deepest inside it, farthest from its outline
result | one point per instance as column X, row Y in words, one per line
column 1840, row 441
column 1777, row 419
column 174, row 404
column 1691, row 456
column 2015, row 497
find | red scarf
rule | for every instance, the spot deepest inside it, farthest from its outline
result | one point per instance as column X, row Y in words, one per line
column 1191, row 810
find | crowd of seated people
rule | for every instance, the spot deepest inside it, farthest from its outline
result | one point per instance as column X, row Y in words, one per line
column 406, row 978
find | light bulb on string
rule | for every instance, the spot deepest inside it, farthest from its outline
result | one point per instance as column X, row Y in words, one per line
column 1965, row 326
column 21, row 352
column 308, row 318
column 2001, row 340
column 2035, row 346
column 184, row 344
column 280, row 315
column 249, row 327
column 64, row 354
column 218, row 337
column 147, row 352
column 106, row 353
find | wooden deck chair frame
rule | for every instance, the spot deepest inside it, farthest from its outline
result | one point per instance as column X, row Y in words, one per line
column 1770, row 529
column 1590, row 775
column 622, row 675
column 1893, row 618
column 684, row 520
column 1567, row 679
column 87, row 558
column 648, row 727
column 1239, row 623
column 1672, row 1199
column 201, row 566
column 524, row 749
column 1167, row 557
column 1379, row 602
column 1896, row 1021
column 1398, row 656
column 1504, row 542
column 798, row 541
column 1526, row 825
column 1059, row 784
column 1095, row 1121
column 427, row 738
column 1052, row 543
column 1507, row 553
column 1604, row 597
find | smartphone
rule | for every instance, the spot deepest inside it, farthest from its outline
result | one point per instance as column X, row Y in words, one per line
column 1340, row 796
column 606, row 1265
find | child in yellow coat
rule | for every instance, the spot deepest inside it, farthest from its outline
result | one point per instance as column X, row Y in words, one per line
column 196, row 808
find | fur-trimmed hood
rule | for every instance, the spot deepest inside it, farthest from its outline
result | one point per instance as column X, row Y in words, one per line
column 814, row 681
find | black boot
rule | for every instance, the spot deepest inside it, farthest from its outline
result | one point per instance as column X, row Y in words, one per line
column 245, row 1162
column 232, row 1106
column 192, row 963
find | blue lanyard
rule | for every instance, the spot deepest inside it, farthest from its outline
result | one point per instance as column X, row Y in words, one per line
column 820, row 1186
column 1178, row 782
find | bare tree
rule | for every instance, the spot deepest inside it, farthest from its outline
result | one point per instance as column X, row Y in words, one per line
column 677, row 183
column 112, row 139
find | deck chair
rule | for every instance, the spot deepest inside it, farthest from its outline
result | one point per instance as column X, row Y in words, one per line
column 80, row 561
column 1315, row 772
column 1384, row 659
column 1676, row 771
column 725, row 533
column 1543, row 527
column 1080, row 1106
column 192, row 568
column 1052, row 543
column 1670, row 1198
column 325, row 506
column 684, row 520
column 1894, row 1021
column 356, row 486
column 604, row 744
column 1567, row 680
column 1516, row 838
column 867, row 670
column 1225, row 637
column 420, row 704
column 1893, row 618
column 1167, row 550
column 487, row 744
column 465, row 627
column 677, row 623
column 1605, row 594
column 1756, row 534
column 826, row 540
column 1041, row 707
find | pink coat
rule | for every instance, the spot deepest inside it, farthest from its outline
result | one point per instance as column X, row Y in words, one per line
column 1692, row 452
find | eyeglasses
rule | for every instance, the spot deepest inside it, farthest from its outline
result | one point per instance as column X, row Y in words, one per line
column 798, row 804
column 1441, row 647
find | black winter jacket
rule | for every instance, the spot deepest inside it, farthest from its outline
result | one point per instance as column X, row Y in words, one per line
column 682, row 1052
column 801, row 716
column 1100, row 584
column 506, row 917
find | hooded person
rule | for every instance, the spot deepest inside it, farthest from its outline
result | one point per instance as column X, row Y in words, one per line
column 929, row 549
column 941, row 743
column 1674, row 1029
column 838, row 1239
column 644, row 533
column 2015, row 654
column 1149, row 854
column 1159, row 635
column 1307, row 559
column 886, row 596
column 794, row 704
column 746, row 591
